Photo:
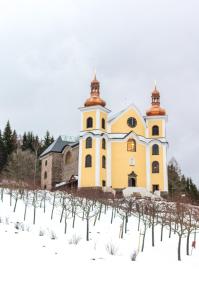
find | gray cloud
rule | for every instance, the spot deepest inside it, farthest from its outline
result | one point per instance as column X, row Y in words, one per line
column 49, row 50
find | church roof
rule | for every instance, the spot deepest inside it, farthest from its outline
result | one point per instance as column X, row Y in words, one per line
column 58, row 146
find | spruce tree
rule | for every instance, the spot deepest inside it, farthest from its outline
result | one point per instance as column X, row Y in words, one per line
column 8, row 139
column 3, row 156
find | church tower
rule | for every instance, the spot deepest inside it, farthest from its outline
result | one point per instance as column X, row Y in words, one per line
column 93, row 140
column 156, row 119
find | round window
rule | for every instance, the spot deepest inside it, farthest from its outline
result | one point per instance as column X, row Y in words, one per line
column 132, row 122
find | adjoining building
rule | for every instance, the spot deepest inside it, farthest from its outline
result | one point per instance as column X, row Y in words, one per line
column 123, row 151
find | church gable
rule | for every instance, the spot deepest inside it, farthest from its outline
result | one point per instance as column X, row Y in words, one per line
column 129, row 120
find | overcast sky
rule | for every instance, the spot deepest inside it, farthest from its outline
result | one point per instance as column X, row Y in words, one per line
column 49, row 50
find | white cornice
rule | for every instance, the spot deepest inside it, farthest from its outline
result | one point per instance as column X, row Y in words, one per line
column 94, row 108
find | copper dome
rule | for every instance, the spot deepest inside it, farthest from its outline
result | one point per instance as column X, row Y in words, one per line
column 156, row 109
column 95, row 94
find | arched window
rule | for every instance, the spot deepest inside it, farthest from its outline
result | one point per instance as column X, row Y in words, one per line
column 103, row 143
column 131, row 145
column 45, row 175
column 88, row 161
column 155, row 149
column 155, row 130
column 46, row 162
column 155, row 167
column 88, row 143
column 103, row 123
column 103, row 162
column 89, row 122
column 68, row 158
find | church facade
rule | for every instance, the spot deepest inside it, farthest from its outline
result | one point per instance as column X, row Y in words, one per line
column 121, row 151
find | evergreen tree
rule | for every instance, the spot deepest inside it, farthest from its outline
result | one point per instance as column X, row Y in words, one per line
column 3, row 155
column 8, row 139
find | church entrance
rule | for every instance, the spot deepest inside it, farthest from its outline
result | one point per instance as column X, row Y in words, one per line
column 132, row 179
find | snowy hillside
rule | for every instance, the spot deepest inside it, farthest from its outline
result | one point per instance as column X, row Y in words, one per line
column 52, row 260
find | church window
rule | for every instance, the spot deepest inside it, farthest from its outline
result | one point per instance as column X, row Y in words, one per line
column 103, row 143
column 103, row 123
column 103, row 162
column 132, row 122
column 155, row 130
column 155, row 167
column 88, row 143
column 89, row 122
column 88, row 161
column 131, row 145
column 68, row 158
column 45, row 175
column 46, row 162
column 155, row 149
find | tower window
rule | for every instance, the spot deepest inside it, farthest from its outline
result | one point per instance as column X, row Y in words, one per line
column 89, row 122
column 103, row 143
column 88, row 143
column 103, row 162
column 103, row 123
column 46, row 162
column 155, row 167
column 103, row 183
column 155, row 130
column 131, row 145
column 45, row 175
column 88, row 161
column 155, row 149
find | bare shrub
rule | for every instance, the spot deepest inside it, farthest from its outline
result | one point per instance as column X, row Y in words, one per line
column 133, row 256
column 41, row 232
column 53, row 235
column 74, row 240
column 111, row 248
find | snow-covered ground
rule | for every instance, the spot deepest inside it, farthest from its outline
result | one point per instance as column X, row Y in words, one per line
column 35, row 266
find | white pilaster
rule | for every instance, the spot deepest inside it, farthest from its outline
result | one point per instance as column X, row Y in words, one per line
column 148, row 168
column 165, row 171
column 98, row 125
column 97, row 162
column 109, row 178
column 80, row 163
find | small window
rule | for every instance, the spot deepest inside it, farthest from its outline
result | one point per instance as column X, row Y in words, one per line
column 103, row 162
column 155, row 130
column 155, row 149
column 68, row 158
column 46, row 162
column 155, row 187
column 88, row 161
column 131, row 145
column 88, row 143
column 155, row 167
column 103, row 183
column 103, row 123
column 44, row 187
column 103, row 143
column 45, row 175
column 89, row 122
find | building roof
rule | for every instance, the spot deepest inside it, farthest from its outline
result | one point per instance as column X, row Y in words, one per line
column 58, row 146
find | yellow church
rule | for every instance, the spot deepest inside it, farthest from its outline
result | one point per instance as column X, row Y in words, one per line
column 123, row 151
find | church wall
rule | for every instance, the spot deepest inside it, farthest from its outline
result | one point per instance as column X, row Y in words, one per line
column 121, row 167
column 46, row 166
column 103, row 171
column 120, row 124
column 70, row 168
column 88, row 174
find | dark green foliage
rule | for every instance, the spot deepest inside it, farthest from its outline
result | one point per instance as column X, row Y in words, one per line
column 180, row 185
column 3, row 155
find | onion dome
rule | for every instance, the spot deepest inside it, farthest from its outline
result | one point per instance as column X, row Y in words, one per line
column 95, row 94
column 155, row 109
